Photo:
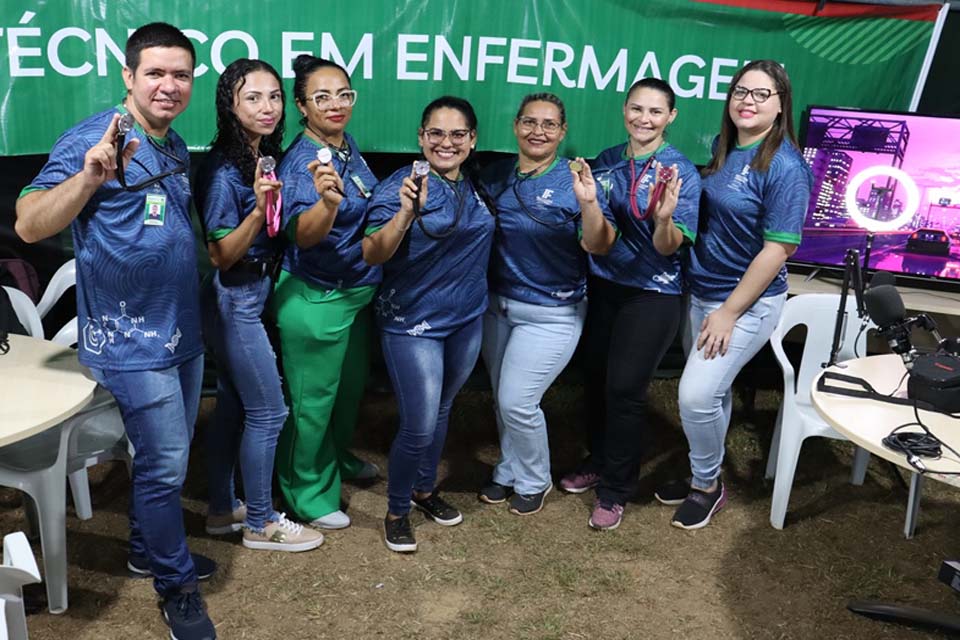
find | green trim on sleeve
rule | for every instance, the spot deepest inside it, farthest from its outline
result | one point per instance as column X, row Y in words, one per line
column 782, row 236
column 29, row 189
column 691, row 236
column 369, row 231
column 216, row 235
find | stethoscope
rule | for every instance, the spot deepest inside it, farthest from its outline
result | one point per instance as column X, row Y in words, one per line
column 635, row 181
column 566, row 216
column 124, row 126
column 421, row 169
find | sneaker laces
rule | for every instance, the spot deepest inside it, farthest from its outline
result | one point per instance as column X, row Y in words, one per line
column 189, row 603
column 401, row 526
column 289, row 525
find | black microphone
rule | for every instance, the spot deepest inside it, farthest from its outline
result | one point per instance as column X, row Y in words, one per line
column 882, row 278
column 885, row 308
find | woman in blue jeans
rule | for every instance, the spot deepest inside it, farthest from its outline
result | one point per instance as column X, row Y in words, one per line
column 756, row 189
column 432, row 232
column 549, row 215
column 235, row 196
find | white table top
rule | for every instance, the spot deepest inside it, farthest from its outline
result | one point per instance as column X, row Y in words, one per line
column 41, row 384
column 866, row 422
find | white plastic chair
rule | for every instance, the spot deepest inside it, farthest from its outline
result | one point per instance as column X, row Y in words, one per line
column 26, row 311
column 101, row 416
column 19, row 569
column 798, row 419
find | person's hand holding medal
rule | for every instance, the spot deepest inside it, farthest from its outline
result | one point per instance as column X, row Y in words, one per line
column 267, row 189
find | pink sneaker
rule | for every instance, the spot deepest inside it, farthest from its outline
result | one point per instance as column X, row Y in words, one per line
column 606, row 517
column 579, row 481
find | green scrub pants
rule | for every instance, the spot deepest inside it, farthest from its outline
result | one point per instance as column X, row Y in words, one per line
column 324, row 344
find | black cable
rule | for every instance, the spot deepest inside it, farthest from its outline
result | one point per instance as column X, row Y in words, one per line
column 914, row 445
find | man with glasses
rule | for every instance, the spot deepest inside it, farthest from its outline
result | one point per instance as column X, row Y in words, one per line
column 119, row 180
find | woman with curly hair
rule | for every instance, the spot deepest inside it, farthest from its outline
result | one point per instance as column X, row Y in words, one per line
column 237, row 192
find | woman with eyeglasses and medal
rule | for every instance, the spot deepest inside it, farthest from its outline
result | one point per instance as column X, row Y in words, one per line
column 550, row 214
column 755, row 195
column 321, row 296
column 635, row 295
column 237, row 192
column 431, row 226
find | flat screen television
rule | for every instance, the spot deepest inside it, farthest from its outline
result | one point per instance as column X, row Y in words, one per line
column 895, row 175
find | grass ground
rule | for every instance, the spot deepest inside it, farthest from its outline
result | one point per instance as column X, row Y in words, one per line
column 548, row 576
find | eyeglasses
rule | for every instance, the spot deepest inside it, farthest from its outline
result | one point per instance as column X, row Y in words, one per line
column 528, row 125
column 437, row 136
column 325, row 101
column 760, row 94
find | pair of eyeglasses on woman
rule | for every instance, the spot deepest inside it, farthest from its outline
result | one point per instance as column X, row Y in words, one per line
column 437, row 136
column 325, row 100
column 760, row 94
column 531, row 124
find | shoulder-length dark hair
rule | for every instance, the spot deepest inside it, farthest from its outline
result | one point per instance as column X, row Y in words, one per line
column 782, row 126
column 231, row 140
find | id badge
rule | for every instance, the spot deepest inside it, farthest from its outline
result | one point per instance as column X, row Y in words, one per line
column 155, row 209
column 362, row 187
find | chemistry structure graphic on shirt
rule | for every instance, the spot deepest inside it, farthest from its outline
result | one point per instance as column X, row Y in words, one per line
column 109, row 330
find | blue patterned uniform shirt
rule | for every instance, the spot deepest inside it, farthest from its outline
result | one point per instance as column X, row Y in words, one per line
column 742, row 208
column 336, row 262
column 137, row 281
column 537, row 257
column 432, row 287
column 633, row 261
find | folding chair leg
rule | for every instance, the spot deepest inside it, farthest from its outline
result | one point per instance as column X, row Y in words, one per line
column 80, row 490
column 861, row 458
column 913, row 505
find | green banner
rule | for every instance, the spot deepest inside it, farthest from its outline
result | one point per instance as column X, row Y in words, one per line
column 60, row 61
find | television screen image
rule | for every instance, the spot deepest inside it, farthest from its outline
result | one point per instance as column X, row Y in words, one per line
column 895, row 175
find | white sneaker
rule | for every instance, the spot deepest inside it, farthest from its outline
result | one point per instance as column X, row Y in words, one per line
column 282, row 535
column 335, row 520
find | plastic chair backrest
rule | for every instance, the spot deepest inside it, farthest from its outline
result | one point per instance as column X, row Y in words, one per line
column 18, row 554
column 63, row 279
column 26, row 312
column 818, row 312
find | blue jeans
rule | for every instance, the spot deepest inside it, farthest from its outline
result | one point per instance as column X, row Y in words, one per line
column 525, row 347
column 249, row 395
column 159, row 410
column 706, row 395
column 426, row 373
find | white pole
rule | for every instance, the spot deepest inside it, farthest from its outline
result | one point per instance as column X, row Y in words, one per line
column 928, row 59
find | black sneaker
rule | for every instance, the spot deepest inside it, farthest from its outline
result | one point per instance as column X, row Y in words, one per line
column 140, row 567
column 527, row 505
column 438, row 510
column 398, row 534
column 699, row 507
column 494, row 493
column 672, row 493
column 186, row 615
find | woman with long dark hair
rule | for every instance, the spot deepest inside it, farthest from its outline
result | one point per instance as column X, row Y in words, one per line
column 635, row 295
column 550, row 214
column 321, row 297
column 238, row 193
column 756, row 189
column 431, row 228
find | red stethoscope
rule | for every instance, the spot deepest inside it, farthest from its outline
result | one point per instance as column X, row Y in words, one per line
column 663, row 176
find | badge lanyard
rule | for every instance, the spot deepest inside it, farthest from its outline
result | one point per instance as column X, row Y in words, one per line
column 635, row 185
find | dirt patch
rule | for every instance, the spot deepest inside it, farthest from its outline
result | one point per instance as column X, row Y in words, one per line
column 498, row 576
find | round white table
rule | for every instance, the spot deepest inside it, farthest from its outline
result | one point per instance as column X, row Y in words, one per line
column 41, row 385
column 866, row 422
